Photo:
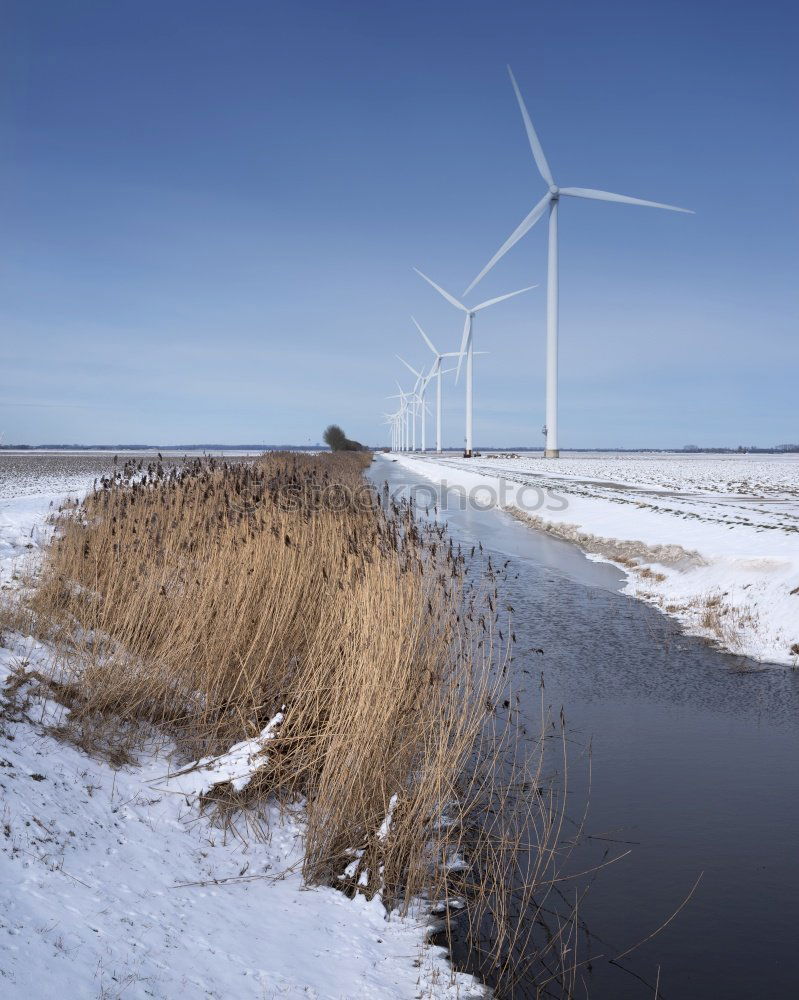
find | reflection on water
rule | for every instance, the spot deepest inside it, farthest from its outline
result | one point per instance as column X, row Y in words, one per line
column 694, row 767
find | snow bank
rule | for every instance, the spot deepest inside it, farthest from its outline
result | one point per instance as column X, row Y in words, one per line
column 714, row 542
column 113, row 883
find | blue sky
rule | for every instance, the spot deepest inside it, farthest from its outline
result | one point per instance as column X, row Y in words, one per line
column 211, row 210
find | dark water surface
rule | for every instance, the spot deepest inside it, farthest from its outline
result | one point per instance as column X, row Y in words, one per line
column 694, row 768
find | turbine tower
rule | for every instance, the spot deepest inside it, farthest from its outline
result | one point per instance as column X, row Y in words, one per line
column 467, row 348
column 550, row 200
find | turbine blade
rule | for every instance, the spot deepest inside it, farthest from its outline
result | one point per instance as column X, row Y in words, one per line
column 467, row 332
column 623, row 198
column 426, row 339
column 440, row 290
column 410, row 369
column 535, row 145
column 524, row 226
column 501, row 298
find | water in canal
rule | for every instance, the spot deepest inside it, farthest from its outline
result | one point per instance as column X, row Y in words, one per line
column 694, row 769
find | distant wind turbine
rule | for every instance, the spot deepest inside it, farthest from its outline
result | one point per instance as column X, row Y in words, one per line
column 436, row 373
column 394, row 420
column 419, row 389
column 404, row 411
column 467, row 344
column 550, row 200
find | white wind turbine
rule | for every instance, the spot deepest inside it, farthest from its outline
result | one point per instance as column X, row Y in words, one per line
column 404, row 415
column 417, row 400
column 393, row 420
column 467, row 342
column 419, row 388
column 436, row 373
column 550, row 200
column 408, row 403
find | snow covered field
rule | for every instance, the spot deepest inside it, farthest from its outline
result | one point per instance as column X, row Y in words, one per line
column 711, row 540
column 113, row 884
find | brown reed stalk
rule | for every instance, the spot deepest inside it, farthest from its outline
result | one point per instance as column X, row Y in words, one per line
column 198, row 601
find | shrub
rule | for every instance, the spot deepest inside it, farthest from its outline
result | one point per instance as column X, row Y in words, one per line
column 335, row 438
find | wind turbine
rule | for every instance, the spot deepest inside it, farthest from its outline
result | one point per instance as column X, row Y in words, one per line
column 411, row 410
column 419, row 389
column 417, row 395
column 467, row 345
column 436, row 373
column 550, row 200
column 410, row 418
column 393, row 420
column 404, row 412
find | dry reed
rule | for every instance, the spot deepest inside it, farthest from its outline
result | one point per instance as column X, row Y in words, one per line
column 198, row 601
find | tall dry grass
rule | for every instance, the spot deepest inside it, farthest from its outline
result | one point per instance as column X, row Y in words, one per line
column 198, row 601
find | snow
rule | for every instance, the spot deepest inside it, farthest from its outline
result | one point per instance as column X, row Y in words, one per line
column 113, row 883
column 23, row 531
column 385, row 826
column 235, row 767
column 713, row 541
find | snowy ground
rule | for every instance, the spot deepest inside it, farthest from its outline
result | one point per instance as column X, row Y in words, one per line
column 711, row 540
column 113, row 884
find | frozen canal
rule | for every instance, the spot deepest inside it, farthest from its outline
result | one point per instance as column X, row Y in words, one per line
column 694, row 770
column 712, row 540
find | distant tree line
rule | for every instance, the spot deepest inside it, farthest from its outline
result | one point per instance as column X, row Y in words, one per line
column 743, row 449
